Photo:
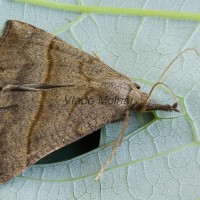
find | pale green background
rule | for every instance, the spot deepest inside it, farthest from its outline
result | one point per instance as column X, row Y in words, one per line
column 157, row 160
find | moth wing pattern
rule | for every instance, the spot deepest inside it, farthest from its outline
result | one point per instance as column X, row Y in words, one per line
column 44, row 121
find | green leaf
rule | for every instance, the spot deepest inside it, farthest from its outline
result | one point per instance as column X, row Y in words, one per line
column 159, row 156
column 114, row 10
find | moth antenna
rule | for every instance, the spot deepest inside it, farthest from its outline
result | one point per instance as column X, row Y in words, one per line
column 117, row 144
column 167, row 68
column 155, row 85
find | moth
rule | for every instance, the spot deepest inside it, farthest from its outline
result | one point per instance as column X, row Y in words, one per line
column 39, row 74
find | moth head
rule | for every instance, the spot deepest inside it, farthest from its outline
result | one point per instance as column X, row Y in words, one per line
column 140, row 101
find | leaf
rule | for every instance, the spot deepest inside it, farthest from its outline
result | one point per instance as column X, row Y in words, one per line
column 159, row 157
column 114, row 10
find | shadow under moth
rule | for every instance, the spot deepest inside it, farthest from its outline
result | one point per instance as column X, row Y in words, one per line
column 39, row 74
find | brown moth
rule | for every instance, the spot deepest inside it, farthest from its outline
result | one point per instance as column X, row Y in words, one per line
column 39, row 74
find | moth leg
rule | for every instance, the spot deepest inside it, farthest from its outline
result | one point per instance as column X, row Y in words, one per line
column 119, row 118
column 165, row 107
column 8, row 108
column 96, row 55
column 30, row 87
column 116, row 145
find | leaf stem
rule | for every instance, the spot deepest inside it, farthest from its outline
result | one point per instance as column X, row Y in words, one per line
column 115, row 11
